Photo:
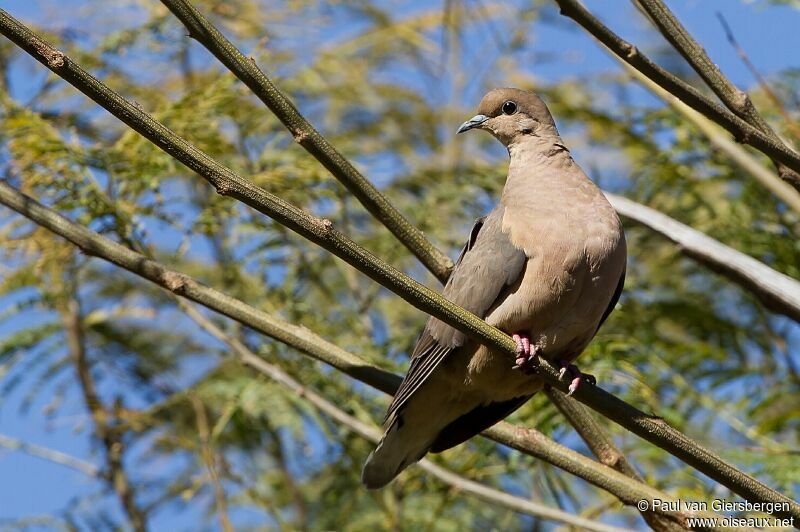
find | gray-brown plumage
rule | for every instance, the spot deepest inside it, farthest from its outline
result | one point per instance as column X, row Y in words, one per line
column 546, row 266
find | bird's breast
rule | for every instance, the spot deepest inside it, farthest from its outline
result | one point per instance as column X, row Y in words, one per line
column 575, row 260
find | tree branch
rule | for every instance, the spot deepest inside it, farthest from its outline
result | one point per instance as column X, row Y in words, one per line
column 51, row 455
column 322, row 233
column 739, row 128
column 209, row 457
column 776, row 291
column 789, row 121
column 747, row 162
column 112, row 442
column 309, row 138
column 527, row 441
column 373, row 434
column 734, row 99
column 603, row 447
column 251, row 75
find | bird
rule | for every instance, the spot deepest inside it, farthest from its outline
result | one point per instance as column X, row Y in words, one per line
column 546, row 266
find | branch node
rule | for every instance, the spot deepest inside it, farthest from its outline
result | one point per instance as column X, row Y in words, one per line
column 741, row 100
column 630, row 50
column 175, row 282
column 87, row 251
column 223, row 188
column 744, row 136
column 55, row 58
column 300, row 136
column 610, row 458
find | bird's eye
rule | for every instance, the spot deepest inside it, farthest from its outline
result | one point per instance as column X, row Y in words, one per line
column 509, row 108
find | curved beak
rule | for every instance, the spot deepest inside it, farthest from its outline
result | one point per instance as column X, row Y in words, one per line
column 472, row 123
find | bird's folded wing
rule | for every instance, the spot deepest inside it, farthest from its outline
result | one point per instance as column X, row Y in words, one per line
column 614, row 300
column 488, row 264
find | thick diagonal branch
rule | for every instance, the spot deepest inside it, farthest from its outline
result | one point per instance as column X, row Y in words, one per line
column 251, row 75
column 738, row 127
column 309, row 138
column 322, row 233
column 528, row 441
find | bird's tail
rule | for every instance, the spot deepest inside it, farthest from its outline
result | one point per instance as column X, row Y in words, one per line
column 398, row 449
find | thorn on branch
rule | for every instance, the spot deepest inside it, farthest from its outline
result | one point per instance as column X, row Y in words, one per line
column 744, row 136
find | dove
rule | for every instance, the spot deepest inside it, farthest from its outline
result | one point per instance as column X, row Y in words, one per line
column 546, row 266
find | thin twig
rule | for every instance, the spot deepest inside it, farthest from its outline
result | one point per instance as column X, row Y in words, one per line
column 309, row 138
column 762, row 82
column 372, row 433
column 112, row 442
column 739, row 128
column 528, row 441
column 715, row 134
column 51, row 455
column 210, row 459
column 734, row 99
column 322, row 233
column 776, row 291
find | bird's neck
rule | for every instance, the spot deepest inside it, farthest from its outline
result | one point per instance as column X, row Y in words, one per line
column 540, row 169
column 538, row 150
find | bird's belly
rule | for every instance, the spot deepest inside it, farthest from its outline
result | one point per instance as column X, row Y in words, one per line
column 560, row 300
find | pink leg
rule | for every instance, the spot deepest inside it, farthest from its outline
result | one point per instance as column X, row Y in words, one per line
column 527, row 355
column 575, row 375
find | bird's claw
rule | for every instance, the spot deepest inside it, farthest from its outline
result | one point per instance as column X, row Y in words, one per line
column 575, row 375
column 527, row 355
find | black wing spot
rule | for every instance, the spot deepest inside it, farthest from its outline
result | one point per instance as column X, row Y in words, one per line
column 613, row 302
column 473, row 236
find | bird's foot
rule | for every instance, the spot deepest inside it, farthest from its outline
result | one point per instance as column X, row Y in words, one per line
column 527, row 355
column 575, row 376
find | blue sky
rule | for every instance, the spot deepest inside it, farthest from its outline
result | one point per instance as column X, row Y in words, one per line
column 30, row 486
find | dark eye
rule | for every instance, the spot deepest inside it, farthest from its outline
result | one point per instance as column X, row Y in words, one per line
column 509, row 108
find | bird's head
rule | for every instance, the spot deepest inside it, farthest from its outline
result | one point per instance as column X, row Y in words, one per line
column 510, row 115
